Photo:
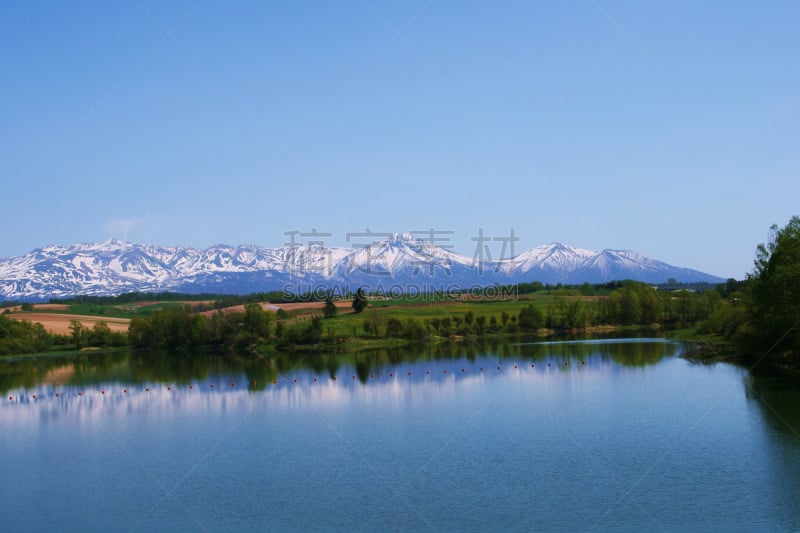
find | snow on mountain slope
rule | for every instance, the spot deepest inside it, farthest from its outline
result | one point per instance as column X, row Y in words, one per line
column 554, row 261
column 399, row 253
column 115, row 267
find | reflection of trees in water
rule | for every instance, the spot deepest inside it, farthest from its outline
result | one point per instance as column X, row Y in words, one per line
column 84, row 368
column 182, row 367
column 25, row 373
column 778, row 399
column 623, row 353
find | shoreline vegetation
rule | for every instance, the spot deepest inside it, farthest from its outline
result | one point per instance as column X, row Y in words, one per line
column 754, row 322
column 252, row 324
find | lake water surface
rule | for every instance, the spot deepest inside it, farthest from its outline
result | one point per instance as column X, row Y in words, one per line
column 603, row 435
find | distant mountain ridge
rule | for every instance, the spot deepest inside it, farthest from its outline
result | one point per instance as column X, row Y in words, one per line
column 401, row 262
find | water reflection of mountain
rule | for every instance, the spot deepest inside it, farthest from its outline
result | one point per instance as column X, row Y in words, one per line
column 136, row 367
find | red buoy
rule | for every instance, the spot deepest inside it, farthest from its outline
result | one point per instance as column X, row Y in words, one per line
column 190, row 387
column 498, row 367
column 334, row 378
column 80, row 394
column 34, row 396
column 254, row 382
column 445, row 371
column 212, row 385
column 102, row 392
column 147, row 389
column 427, row 371
column 11, row 398
column 409, row 373
column 58, row 395
column 125, row 391
column 533, row 366
column 233, row 384
column 354, row 377
column 391, row 374
column 295, row 380
column 170, row 388
column 481, row 369
column 274, row 381
column 515, row 366
column 463, row 369
column 549, row 365
column 315, row 380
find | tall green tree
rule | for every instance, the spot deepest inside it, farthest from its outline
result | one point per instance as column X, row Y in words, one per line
column 775, row 293
column 329, row 309
column 360, row 301
column 77, row 331
column 256, row 320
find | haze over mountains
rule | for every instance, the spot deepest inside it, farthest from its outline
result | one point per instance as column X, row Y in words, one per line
column 401, row 262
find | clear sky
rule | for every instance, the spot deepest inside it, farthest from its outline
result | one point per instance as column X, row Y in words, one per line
column 670, row 128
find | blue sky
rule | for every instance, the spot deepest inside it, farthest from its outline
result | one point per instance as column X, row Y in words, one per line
column 670, row 128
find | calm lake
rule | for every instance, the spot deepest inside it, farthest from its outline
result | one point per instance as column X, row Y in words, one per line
column 592, row 435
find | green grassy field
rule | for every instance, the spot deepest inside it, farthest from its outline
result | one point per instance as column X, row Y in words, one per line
column 349, row 324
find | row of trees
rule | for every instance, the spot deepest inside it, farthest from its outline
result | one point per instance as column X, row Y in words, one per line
column 179, row 327
column 99, row 336
column 21, row 336
column 634, row 303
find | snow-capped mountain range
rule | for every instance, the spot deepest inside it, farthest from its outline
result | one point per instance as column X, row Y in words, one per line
column 400, row 263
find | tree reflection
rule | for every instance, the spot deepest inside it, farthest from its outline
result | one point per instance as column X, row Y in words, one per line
column 778, row 399
column 183, row 367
